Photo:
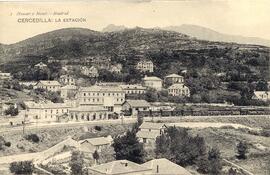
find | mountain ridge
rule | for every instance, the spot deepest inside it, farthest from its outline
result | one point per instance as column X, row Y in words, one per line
column 202, row 33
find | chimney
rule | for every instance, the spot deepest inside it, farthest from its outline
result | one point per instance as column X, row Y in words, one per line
column 157, row 169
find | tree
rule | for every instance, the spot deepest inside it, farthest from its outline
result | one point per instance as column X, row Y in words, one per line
column 32, row 137
column 177, row 145
column 23, row 167
column 96, row 156
column 128, row 147
column 214, row 158
column 12, row 110
column 76, row 163
column 151, row 95
column 162, row 148
column 242, row 150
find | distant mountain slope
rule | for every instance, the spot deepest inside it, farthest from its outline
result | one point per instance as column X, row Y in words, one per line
column 113, row 28
column 211, row 35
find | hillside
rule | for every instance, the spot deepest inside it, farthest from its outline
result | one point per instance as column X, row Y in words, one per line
column 204, row 33
column 168, row 50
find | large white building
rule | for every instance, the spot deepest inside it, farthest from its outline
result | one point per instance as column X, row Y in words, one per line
column 145, row 66
column 133, row 88
column 179, row 89
column 67, row 79
column 110, row 97
column 174, row 78
column 152, row 82
column 89, row 113
column 49, row 85
column 46, row 111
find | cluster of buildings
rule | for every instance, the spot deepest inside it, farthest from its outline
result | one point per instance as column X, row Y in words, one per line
column 57, row 154
column 97, row 102
column 175, row 82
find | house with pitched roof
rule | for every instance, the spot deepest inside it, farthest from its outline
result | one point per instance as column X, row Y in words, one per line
column 41, row 65
column 46, row 111
column 165, row 167
column 49, row 85
column 90, row 71
column 262, row 95
column 145, row 66
column 118, row 167
column 95, row 144
column 179, row 89
column 149, row 131
column 67, row 79
column 125, row 167
column 152, row 82
column 133, row 88
column 117, row 68
column 134, row 106
column 174, row 78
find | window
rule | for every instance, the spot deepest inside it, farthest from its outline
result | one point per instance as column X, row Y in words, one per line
column 144, row 140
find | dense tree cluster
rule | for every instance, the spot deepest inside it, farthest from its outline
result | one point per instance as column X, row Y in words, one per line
column 128, row 147
column 76, row 163
column 22, row 167
column 49, row 95
column 177, row 145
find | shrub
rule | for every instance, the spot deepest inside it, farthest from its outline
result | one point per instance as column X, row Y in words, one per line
column 265, row 132
column 8, row 144
column 242, row 149
column 23, row 167
column 12, row 111
column 98, row 128
column 32, row 137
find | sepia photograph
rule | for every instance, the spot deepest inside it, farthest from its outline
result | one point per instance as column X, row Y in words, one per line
column 135, row 87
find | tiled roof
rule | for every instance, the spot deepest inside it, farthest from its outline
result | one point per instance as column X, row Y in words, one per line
column 151, row 79
column 88, row 109
column 98, row 141
column 102, row 88
column 47, row 105
column 165, row 167
column 147, row 134
column 151, row 125
column 50, row 83
column 132, row 86
column 119, row 167
column 138, row 103
column 173, row 76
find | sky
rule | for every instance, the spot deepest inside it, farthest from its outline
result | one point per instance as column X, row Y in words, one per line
column 237, row 17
